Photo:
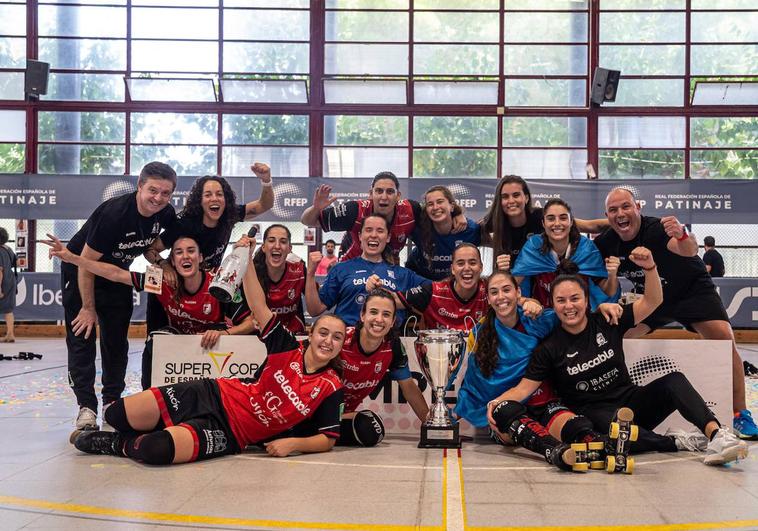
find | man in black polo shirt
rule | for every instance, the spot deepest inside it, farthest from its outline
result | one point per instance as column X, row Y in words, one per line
column 689, row 296
column 118, row 231
column 712, row 259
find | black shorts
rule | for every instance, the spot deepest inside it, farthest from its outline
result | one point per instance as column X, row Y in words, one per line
column 702, row 304
column 196, row 405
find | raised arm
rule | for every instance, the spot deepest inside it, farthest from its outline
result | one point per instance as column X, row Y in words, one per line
column 610, row 285
column 321, row 200
column 680, row 241
column 312, row 299
column 266, row 199
column 653, row 296
column 256, row 298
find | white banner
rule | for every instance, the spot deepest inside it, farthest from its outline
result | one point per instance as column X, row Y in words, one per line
column 707, row 364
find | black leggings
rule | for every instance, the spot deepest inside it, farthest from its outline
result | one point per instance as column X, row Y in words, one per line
column 651, row 404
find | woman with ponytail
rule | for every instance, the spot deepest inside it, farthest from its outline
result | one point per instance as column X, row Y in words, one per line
column 561, row 249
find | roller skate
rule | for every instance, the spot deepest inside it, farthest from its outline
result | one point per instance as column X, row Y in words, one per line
column 589, row 456
column 621, row 433
column 564, row 457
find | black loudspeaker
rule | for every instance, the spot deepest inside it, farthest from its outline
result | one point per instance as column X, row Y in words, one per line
column 35, row 78
column 605, row 84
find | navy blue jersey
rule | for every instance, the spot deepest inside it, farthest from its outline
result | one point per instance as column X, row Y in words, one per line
column 442, row 257
column 345, row 285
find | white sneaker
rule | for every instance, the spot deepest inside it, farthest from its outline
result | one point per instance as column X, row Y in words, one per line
column 86, row 419
column 106, row 426
column 688, row 441
column 724, row 448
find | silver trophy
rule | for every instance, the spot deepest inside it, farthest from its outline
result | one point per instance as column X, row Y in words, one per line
column 438, row 353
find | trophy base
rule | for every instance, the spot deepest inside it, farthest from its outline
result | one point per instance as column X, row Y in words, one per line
column 439, row 436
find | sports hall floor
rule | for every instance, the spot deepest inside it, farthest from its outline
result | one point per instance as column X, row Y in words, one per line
column 46, row 484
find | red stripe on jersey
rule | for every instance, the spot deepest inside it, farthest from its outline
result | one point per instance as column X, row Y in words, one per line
column 195, row 441
column 447, row 310
column 162, row 407
column 362, row 373
column 402, row 226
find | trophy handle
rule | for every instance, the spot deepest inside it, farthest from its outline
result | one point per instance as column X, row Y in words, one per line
column 407, row 322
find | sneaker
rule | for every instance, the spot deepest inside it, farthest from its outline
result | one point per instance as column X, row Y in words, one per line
column 725, row 447
column 688, row 441
column 751, row 371
column 98, row 442
column 745, row 426
column 106, row 426
column 86, row 419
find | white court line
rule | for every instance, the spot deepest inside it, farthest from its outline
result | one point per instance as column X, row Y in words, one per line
column 548, row 467
column 454, row 504
column 452, row 461
column 332, row 463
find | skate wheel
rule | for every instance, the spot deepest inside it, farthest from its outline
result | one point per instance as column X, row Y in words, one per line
column 629, row 468
column 579, row 447
column 580, row 467
column 610, row 464
column 634, row 432
column 625, row 414
column 597, row 445
column 615, row 429
column 597, row 465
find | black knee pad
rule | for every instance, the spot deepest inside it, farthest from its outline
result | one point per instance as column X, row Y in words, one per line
column 506, row 412
column 577, row 429
column 364, row 429
column 115, row 415
column 156, row 448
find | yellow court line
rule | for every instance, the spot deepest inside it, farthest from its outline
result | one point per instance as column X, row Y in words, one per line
column 751, row 524
column 463, row 490
column 444, row 489
column 71, row 508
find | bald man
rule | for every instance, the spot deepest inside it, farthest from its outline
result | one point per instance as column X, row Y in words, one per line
column 689, row 295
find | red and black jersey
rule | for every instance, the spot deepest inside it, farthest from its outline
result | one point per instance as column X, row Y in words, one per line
column 194, row 313
column 443, row 308
column 284, row 297
column 349, row 215
column 363, row 371
column 282, row 394
column 541, row 287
